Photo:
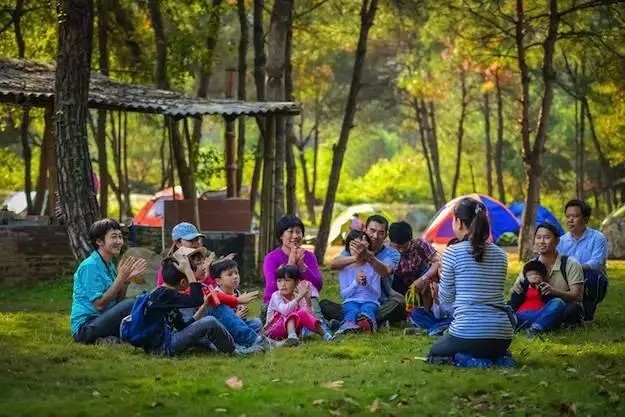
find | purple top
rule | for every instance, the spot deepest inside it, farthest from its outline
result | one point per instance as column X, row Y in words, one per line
column 277, row 257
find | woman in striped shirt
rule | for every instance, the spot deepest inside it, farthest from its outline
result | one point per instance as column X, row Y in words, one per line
column 472, row 277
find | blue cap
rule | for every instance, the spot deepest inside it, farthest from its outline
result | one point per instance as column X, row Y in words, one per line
column 185, row 231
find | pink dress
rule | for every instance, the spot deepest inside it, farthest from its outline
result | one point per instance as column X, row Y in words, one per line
column 280, row 311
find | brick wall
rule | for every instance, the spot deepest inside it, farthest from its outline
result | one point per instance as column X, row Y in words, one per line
column 33, row 253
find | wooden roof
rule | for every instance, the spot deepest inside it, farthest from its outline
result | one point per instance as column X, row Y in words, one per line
column 33, row 83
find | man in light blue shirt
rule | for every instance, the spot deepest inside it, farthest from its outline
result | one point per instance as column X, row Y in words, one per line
column 586, row 245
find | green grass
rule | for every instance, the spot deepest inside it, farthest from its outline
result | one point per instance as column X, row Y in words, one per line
column 43, row 373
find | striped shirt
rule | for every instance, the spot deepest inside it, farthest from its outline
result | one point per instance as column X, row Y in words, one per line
column 475, row 289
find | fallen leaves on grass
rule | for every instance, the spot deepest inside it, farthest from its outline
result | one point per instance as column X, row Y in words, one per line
column 221, row 410
column 378, row 405
column 564, row 408
column 319, row 402
column 157, row 404
column 333, row 384
column 96, row 394
column 234, row 383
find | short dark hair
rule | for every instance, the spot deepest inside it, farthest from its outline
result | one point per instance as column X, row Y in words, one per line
column 378, row 218
column 400, row 232
column 171, row 275
column 288, row 271
column 220, row 266
column 583, row 206
column 286, row 222
column 472, row 213
column 353, row 235
column 549, row 226
column 100, row 228
column 535, row 266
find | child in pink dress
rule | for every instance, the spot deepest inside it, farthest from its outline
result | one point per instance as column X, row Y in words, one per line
column 290, row 309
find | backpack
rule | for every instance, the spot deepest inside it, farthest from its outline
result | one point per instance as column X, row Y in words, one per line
column 141, row 325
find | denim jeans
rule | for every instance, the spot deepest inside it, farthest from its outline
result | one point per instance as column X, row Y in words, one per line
column 206, row 332
column 426, row 320
column 104, row 325
column 351, row 310
column 255, row 324
column 243, row 334
column 547, row 318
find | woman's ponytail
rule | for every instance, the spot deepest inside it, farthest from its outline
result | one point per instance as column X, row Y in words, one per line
column 472, row 214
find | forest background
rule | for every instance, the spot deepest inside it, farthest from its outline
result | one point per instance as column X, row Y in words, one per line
column 439, row 112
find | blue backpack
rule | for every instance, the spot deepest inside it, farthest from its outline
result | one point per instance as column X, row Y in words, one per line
column 142, row 324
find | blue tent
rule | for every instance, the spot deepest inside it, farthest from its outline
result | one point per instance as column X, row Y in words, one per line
column 543, row 215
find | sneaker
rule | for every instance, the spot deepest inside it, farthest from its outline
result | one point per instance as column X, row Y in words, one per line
column 328, row 336
column 505, row 361
column 291, row 341
column 464, row 360
column 251, row 350
column 384, row 325
column 334, row 324
column 413, row 330
column 108, row 340
column 307, row 332
column 348, row 327
column 532, row 332
column 366, row 324
column 267, row 344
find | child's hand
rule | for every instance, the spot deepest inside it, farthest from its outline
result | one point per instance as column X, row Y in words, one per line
column 246, row 297
column 132, row 267
column 303, row 288
column 184, row 266
column 242, row 311
column 434, row 291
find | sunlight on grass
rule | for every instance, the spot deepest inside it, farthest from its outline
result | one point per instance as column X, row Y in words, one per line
column 44, row 373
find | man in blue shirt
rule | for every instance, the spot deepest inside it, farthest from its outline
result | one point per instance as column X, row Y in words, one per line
column 384, row 260
column 589, row 247
column 98, row 302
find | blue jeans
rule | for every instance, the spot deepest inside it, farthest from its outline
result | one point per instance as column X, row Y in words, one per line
column 351, row 310
column 255, row 324
column 206, row 332
column 427, row 321
column 242, row 333
column 547, row 318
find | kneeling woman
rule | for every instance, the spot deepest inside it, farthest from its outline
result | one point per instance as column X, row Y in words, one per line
column 472, row 277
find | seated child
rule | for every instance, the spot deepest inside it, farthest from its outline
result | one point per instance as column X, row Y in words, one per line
column 225, row 272
column 290, row 309
column 360, row 289
column 535, row 311
column 177, row 334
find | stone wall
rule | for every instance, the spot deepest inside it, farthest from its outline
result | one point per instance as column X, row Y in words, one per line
column 31, row 253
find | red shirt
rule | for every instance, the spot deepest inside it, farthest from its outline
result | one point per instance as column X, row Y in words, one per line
column 533, row 301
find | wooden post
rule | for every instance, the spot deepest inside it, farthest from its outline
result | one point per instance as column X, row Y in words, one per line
column 231, row 158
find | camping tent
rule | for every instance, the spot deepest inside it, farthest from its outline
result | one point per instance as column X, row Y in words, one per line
column 543, row 215
column 341, row 223
column 152, row 213
column 501, row 220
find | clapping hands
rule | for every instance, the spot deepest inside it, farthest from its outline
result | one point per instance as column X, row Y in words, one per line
column 131, row 267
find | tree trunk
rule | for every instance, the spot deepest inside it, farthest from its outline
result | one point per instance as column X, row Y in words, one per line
column 499, row 143
column 421, row 121
column 116, row 146
column 460, row 132
column 47, row 148
column 241, row 89
column 77, row 198
column 580, row 118
column 367, row 16
column 281, row 21
column 124, row 142
column 488, row 150
column 604, row 163
column 531, row 155
column 260, row 61
column 291, row 138
column 267, row 214
column 100, row 136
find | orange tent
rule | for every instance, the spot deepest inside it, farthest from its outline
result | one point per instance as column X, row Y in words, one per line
column 153, row 212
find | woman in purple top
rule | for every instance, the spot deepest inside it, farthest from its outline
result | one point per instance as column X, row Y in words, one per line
column 290, row 234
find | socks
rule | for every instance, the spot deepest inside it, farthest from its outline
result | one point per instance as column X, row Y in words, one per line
column 328, row 336
column 292, row 335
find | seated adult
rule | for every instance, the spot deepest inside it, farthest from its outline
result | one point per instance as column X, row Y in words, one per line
column 98, row 304
column 566, row 284
column 290, row 235
column 183, row 235
column 383, row 259
column 589, row 247
column 472, row 277
column 418, row 264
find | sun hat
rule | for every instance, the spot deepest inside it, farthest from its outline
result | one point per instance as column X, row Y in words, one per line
column 185, row 231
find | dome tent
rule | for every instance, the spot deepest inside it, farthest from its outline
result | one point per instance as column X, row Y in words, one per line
column 501, row 220
column 543, row 215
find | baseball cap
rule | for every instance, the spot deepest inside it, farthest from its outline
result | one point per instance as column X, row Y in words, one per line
column 185, row 231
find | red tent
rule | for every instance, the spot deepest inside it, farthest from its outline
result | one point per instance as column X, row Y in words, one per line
column 153, row 212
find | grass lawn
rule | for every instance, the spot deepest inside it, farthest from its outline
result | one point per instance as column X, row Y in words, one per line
column 43, row 373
